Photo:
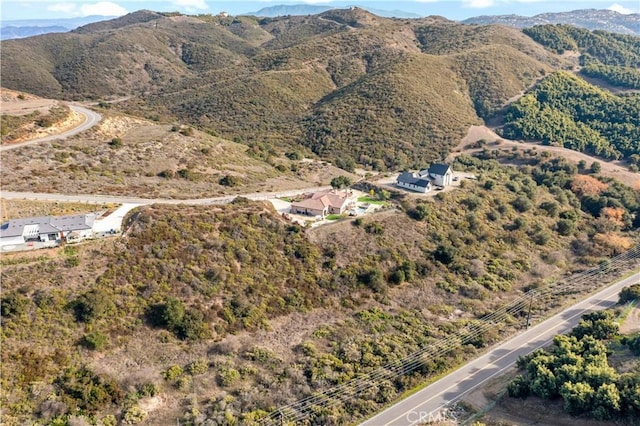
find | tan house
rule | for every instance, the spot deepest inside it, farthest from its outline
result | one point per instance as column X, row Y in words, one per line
column 322, row 203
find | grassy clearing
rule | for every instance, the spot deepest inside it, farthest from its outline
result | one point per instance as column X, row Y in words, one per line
column 370, row 200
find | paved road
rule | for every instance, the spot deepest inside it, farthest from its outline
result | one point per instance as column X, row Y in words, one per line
column 101, row 199
column 428, row 404
column 91, row 119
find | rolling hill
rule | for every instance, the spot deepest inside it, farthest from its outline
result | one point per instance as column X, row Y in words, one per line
column 351, row 86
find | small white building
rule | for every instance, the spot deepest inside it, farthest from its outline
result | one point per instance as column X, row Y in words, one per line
column 442, row 174
column 412, row 182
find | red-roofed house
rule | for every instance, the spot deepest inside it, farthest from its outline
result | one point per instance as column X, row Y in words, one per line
column 322, row 204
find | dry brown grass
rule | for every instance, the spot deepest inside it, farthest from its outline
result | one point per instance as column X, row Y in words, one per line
column 89, row 164
column 22, row 111
column 16, row 209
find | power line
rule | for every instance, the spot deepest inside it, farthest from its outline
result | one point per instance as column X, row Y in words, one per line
column 586, row 280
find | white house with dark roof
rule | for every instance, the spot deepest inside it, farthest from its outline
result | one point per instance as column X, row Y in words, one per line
column 442, row 174
column 47, row 229
column 412, row 182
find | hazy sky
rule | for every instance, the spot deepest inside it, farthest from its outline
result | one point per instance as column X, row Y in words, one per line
column 452, row 9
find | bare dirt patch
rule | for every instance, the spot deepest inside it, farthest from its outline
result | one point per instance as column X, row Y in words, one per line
column 613, row 169
column 631, row 323
column 484, row 397
column 535, row 411
column 18, row 103
column 604, row 85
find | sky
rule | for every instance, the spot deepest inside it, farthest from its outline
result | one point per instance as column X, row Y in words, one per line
column 452, row 9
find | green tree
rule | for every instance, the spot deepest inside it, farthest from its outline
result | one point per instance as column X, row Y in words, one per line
column 340, row 182
column 551, row 207
column 578, row 397
column 596, row 167
column 230, row 180
column 544, row 384
column 94, row 340
column 627, row 294
column 565, row 227
column 606, row 401
column 173, row 313
column 93, row 305
column 522, row 204
column 601, row 325
column 445, row 253
column 420, row 212
column 633, row 343
column 519, row 387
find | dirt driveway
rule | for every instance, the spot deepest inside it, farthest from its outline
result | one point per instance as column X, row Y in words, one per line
column 614, row 169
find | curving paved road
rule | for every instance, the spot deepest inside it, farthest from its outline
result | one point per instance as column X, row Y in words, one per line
column 91, row 119
column 429, row 404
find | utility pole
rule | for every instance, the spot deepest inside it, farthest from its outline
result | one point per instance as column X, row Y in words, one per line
column 529, row 311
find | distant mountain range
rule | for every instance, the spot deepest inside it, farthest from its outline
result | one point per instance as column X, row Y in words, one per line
column 31, row 27
column 591, row 19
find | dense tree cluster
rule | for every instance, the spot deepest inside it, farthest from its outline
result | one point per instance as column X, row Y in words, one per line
column 564, row 110
column 629, row 294
column 623, row 76
column 576, row 369
column 608, row 48
column 614, row 58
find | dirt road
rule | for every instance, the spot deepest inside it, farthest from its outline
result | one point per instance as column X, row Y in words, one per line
column 91, row 119
column 614, row 169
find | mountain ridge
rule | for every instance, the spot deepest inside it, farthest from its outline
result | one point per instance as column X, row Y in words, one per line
column 310, row 9
column 20, row 28
column 291, row 82
column 591, row 19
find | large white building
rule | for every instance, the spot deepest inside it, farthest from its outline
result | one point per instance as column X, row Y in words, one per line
column 441, row 174
column 47, row 229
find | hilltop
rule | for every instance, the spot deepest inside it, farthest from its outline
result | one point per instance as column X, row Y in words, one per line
column 310, row 9
column 348, row 85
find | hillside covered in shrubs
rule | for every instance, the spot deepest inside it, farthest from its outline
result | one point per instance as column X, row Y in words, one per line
column 229, row 312
column 346, row 84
